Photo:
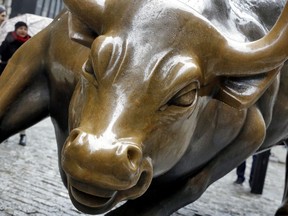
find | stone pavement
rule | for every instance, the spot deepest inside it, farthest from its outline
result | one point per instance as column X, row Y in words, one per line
column 30, row 183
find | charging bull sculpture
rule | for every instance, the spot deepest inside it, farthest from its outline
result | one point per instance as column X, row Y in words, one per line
column 151, row 102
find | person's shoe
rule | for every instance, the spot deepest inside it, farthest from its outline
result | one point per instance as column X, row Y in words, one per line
column 22, row 140
column 239, row 181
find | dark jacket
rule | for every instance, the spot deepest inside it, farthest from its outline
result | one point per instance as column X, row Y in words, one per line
column 9, row 46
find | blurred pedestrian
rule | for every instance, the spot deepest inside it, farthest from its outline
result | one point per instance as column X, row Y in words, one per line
column 22, row 140
column 12, row 42
column 2, row 14
column 240, row 171
column 9, row 46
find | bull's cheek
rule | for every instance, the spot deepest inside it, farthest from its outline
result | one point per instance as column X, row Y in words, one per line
column 168, row 145
column 168, row 142
column 76, row 107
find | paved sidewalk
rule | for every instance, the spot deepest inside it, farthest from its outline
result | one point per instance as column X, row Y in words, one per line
column 30, row 183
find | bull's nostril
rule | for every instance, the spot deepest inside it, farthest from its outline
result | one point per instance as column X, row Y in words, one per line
column 74, row 134
column 134, row 156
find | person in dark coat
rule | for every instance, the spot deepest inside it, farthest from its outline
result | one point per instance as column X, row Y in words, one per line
column 12, row 42
column 8, row 47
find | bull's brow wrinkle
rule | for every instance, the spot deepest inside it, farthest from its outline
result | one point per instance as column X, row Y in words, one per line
column 160, row 61
column 122, row 57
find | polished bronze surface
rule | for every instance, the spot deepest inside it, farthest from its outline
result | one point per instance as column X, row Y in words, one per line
column 152, row 101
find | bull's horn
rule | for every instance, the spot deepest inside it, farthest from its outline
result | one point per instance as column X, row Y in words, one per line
column 90, row 12
column 265, row 54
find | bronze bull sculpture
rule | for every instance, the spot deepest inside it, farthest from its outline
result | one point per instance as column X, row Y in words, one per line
column 154, row 102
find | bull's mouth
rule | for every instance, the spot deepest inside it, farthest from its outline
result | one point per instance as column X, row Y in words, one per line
column 93, row 199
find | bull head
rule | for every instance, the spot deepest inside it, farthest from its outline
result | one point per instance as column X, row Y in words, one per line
column 218, row 56
column 166, row 56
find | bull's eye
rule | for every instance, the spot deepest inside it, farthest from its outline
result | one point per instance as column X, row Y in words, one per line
column 88, row 72
column 184, row 98
column 88, row 68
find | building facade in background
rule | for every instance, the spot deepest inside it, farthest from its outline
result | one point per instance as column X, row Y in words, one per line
column 47, row 8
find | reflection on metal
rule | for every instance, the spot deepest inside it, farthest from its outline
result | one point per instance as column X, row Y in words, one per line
column 159, row 92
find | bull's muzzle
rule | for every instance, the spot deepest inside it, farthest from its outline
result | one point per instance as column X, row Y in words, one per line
column 102, row 172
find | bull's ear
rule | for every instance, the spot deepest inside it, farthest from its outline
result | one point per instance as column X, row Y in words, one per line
column 242, row 92
column 80, row 32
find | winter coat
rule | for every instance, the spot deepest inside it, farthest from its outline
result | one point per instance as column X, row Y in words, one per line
column 9, row 46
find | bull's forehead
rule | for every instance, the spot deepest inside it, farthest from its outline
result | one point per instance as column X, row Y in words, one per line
column 150, row 42
column 154, row 25
column 120, row 61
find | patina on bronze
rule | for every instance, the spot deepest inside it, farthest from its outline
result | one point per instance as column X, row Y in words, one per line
column 151, row 102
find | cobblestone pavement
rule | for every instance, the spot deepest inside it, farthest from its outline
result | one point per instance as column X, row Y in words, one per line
column 30, row 183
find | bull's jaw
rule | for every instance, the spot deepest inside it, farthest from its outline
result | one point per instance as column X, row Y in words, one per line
column 93, row 200
column 91, row 190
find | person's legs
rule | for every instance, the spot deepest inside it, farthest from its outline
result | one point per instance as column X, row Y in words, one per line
column 240, row 171
column 22, row 140
column 252, row 169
